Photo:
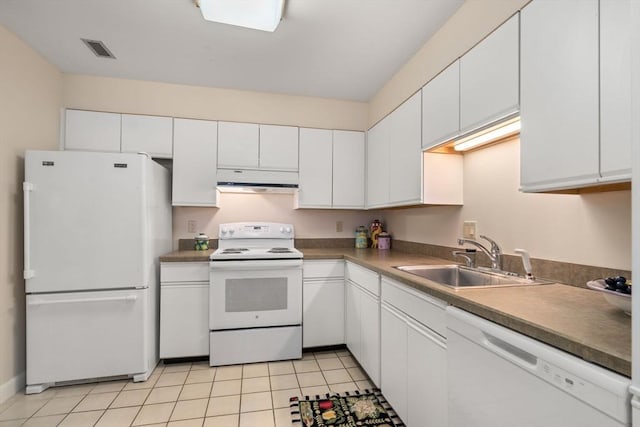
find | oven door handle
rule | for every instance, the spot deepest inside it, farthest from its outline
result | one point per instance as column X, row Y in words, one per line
column 252, row 265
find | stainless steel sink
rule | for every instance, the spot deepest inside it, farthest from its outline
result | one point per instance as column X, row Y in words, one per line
column 457, row 276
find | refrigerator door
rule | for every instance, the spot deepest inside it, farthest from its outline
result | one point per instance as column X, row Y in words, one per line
column 79, row 335
column 84, row 216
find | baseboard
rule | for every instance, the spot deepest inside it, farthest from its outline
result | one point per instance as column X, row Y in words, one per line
column 11, row 387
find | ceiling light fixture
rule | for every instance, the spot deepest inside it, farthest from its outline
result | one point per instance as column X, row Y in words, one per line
column 492, row 134
column 264, row 15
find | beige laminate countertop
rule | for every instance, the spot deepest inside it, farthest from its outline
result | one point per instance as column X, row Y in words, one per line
column 576, row 320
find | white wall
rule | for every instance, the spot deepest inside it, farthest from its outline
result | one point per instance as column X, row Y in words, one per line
column 30, row 101
column 592, row 229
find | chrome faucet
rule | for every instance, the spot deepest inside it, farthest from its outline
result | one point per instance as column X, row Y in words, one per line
column 494, row 254
column 468, row 255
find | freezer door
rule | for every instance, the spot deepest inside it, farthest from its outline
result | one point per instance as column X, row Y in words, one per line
column 82, row 335
column 85, row 221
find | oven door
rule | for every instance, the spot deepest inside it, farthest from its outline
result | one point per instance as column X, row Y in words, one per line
column 255, row 293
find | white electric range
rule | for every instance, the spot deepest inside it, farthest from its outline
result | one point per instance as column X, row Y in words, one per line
column 255, row 294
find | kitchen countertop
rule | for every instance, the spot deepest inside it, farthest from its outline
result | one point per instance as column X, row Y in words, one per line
column 576, row 320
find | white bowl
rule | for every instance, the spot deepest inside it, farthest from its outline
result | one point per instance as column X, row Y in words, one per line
column 617, row 299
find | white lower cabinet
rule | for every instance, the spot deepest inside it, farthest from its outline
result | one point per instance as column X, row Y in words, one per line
column 427, row 379
column 362, row 319
column 184, row 309
column 413, row 355
column 393, row 357
column 323, row 303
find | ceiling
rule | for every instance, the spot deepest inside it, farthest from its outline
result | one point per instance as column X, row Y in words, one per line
column 344, row 49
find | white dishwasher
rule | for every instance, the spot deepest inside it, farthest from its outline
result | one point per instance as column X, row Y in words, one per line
column 498, row 377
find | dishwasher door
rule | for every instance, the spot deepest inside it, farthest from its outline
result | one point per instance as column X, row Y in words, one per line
column 500, row 378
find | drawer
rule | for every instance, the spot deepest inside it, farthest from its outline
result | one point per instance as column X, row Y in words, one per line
column 364, row 277
column 184, row 272
column 425, row 309
column 323, row 269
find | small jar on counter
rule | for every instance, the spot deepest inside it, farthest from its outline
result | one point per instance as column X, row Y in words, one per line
column 362, row 240
column 384, row 240
column 202, row 242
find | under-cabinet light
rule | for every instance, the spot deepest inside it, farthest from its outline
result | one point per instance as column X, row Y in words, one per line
column 264, row 15
column 492, row 134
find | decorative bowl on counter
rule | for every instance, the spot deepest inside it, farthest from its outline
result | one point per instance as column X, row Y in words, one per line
column 617, row 299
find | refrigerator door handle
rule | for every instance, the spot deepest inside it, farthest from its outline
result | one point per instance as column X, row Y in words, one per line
column 82, row 300
column 28, row 272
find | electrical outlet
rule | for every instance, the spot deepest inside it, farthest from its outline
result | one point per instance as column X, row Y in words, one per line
column 192, row 226
column 338, row 226
column 470, row 230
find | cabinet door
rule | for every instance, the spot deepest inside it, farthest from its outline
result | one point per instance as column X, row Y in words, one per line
column 405, row 151
column 378, row 164
column 195, row 151
column 559, row 140
column 237, row 145
column 92, row 131
column 348, row 169
column 323, row 313
column 393, row 359
column 315, row 168
column 370, row 336
column 441, row 107
column 279, row 147
column 615, row 90
column 427, row 380
column 184, row 320
column 352, row 318
column 148, row 134
column 490, row 77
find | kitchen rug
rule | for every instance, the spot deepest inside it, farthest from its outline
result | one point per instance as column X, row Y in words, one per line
column 360, row 408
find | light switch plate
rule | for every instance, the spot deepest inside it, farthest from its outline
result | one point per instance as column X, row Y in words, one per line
column 470, row 230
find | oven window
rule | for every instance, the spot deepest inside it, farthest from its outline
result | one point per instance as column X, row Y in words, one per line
column 255, row 294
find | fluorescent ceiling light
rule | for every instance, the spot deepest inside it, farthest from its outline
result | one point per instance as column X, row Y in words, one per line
column 492, row 134
column 264, row 15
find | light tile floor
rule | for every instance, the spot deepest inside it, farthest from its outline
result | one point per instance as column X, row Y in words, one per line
column 190, row 395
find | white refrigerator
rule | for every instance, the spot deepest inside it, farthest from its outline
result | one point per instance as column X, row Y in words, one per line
column 94, row 227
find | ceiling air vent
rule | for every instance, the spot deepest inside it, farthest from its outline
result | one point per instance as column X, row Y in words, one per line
column 98, row 48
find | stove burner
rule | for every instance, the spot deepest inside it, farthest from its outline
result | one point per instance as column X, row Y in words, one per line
column 280, row 251
column 236, row 250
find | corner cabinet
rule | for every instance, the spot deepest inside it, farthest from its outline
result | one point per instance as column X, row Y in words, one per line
column 394, row 157
column 362, row 318
column 441, row 107
column 331, row 169
column 413, row 355
column 575, row 94
column 322, row 303
column 194, row 163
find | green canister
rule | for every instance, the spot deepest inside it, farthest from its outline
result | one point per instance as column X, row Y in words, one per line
column 362, row 240
column 202, row 242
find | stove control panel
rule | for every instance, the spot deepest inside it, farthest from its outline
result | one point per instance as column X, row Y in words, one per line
column 265, row 230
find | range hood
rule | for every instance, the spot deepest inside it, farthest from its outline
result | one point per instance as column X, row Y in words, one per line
column 257, row 181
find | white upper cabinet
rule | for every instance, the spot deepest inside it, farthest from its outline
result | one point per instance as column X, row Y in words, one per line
column 575, row 89
column 195, row 147
column 405, row 152
column 315, row 188
column 91, row 131
column 441, row 107
column 489, row 77
column 615, row 90
column 238, row 145
column 559, row 102
column 348, row 169
column 278, row 147
column 149, row 134
column 378, row 165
